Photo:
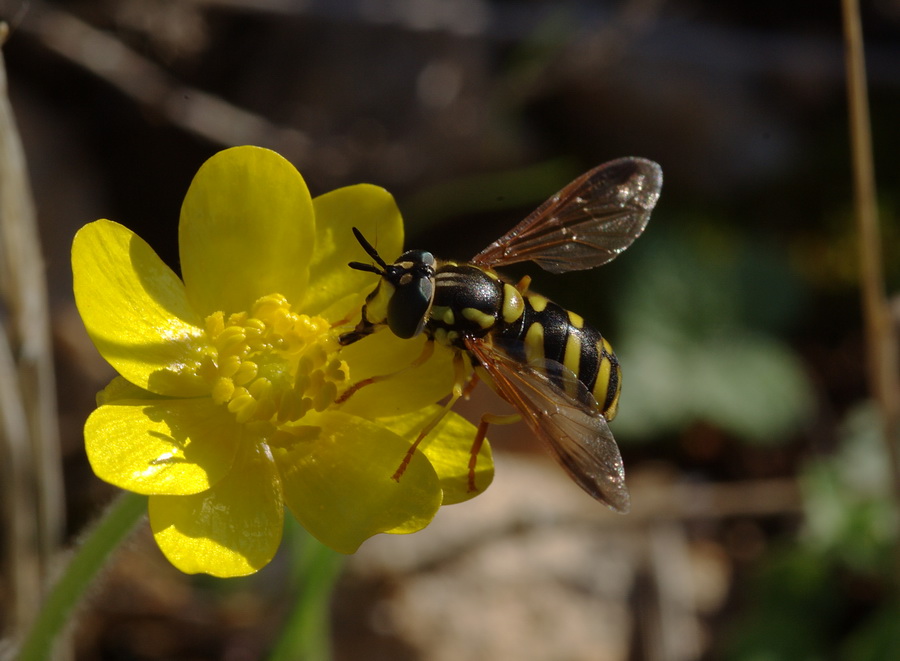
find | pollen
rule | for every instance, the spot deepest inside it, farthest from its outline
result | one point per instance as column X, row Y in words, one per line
column 271, row 364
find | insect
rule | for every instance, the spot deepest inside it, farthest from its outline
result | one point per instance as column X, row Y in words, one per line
column 558, row 372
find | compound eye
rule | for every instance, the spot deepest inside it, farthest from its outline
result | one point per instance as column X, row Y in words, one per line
column 416, row 259
column 409, row 305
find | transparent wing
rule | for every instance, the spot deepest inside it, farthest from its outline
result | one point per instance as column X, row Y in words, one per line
column 587, row 223
column 571, row 425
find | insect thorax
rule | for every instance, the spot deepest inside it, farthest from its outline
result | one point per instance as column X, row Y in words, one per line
column 467, row 300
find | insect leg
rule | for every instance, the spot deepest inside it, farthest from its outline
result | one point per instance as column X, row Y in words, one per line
column 523, row 284
column 363, row 329
column 427, row 351
column 470, row 386
column 486, row 419
column 460, row 379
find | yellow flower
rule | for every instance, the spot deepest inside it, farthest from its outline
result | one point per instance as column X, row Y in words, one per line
column 224, row 411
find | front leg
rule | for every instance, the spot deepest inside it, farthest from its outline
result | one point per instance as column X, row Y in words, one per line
column 427, row 351
column 363, row 329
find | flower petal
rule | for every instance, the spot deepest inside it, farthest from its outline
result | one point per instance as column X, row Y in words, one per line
column 339, row 486
column 449, row 449
column 370, row 209
column 233, row 529
column 383, row 353
column 120, row 388
column 135, row 310
column 246, row 231
column 161, row 446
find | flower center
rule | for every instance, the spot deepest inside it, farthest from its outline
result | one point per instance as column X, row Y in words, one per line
column 272, row 364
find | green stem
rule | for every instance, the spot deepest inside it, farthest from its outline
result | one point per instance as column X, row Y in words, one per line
column 83, row 568
column 307, row 631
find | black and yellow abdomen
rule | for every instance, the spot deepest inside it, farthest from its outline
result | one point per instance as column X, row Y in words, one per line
column 528, row 327
column 547, row 331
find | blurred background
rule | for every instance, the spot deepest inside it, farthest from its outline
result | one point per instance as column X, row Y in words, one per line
column 762, row 525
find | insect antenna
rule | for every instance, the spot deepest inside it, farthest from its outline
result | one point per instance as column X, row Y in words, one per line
column 362, row 266
column 359, row 266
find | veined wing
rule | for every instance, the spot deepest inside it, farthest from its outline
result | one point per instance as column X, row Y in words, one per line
column 571, row 425
column 587, row 224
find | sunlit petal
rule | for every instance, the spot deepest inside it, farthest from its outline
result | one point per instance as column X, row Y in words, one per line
column 120, row 388
column 135, row 310
column 233, row 529
column 246, row 230
column 161, row 446
column 370, row 209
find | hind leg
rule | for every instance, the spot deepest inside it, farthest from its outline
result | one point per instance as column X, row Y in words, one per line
column 486, row 420
column 459, row 386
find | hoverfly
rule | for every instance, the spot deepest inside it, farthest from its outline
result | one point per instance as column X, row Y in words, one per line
column 558, row 372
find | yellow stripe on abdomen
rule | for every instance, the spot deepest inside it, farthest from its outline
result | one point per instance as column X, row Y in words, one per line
column 613, row 408
column 534, row 342
column 575, row 319
column 609, row 380
column 572, row 359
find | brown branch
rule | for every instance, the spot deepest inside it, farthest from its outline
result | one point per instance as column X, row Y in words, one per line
column 151, row 87
column 881, row 339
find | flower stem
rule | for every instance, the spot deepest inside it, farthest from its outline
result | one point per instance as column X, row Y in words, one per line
column 306, row 633
column 83, row 568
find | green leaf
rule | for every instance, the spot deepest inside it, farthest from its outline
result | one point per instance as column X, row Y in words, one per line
column 689, row 351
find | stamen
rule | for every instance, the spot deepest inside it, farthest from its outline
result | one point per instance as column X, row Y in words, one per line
column 246, row 372
column 272, row 365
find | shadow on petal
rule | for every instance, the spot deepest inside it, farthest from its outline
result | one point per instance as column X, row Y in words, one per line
column 159, row 446
column 232, row 529
column 340, row 487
